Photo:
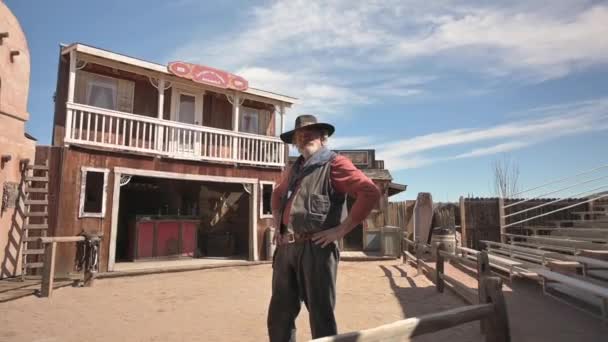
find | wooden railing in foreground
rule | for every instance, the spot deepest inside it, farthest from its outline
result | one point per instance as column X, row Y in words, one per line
column 491, row 311
column 437, row 275
column 50, row 249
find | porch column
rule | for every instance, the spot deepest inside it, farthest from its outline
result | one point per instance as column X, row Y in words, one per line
column 71, row 91
column 236, row 108
column 282, row 112
column 161, row 97
column 285, row 155
column 161, row 107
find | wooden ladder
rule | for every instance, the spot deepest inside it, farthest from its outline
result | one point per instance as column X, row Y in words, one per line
column 36, row 223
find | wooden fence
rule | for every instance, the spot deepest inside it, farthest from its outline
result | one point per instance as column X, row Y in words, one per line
column 489, row 308
column 491, row 313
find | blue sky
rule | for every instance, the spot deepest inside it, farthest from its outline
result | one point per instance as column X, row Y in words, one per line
column 441, row 89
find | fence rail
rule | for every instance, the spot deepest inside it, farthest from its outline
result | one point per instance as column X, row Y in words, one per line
column 50, row 250
column 596, row 177
column 490, row 311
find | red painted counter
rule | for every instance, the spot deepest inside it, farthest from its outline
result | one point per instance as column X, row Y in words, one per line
column 163, row 237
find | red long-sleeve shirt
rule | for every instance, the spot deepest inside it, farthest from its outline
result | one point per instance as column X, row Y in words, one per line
column 345, row 178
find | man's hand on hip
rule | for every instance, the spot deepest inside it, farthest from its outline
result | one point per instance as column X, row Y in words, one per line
column 328, row 236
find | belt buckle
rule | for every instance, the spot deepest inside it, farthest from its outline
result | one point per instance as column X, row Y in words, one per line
column 291, row 238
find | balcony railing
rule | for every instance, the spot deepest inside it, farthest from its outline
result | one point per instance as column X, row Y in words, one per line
column 93, row 126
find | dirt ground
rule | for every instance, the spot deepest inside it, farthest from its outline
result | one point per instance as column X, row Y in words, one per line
column 229, row 304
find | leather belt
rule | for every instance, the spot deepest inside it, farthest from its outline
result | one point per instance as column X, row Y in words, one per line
column 294, row 237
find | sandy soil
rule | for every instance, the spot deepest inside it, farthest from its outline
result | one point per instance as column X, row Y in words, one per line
column 229, row 304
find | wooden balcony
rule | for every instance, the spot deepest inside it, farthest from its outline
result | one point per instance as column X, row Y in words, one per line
column 102, row 128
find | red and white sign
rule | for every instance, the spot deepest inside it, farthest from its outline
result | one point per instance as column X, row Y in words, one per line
column 207, row 75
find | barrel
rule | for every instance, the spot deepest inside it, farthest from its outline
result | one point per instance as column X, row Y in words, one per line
column 447, row 240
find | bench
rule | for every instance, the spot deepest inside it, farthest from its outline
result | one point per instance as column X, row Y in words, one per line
column 544, row 247
column 587, row 264
column 505, row 264
column 569, row 243
column 595, row 254
column 598, row 291
column 531, row 254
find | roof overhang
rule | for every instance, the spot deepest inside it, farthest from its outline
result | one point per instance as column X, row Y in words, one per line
column 395, row 188
column 159, row 68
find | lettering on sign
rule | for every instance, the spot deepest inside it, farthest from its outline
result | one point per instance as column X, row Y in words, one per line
column 206, row 75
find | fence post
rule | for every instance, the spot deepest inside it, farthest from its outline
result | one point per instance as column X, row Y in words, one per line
column 463, row 224
column 439, row 267
column 49, row 269
column 418, row 257
column 483, row 270
column 501, row 219
column 497, row 325
column 404, row 252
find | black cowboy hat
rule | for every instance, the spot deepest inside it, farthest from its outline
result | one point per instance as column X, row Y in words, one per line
column 308, row 121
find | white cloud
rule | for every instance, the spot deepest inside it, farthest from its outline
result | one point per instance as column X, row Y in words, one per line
column 335, row 55
column 549, row 46
column 500, row 148
column 568, row 120
column 317, row 95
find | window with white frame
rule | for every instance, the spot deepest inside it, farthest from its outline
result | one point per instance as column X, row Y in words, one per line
column 93, row 192
column 104, row 91
column 266, row 199
column 187, row 105
column 249, row 120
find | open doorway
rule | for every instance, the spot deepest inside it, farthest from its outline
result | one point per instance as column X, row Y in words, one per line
column 170, row 219
column 353, row 241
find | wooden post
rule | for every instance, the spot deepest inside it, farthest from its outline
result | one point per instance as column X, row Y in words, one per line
column 439, row 267
column 483, row 266
column 236, row 108
column 497, row 324
column 159, row 114
column 282, row 113
column 419, row 251
column 501, row 219
column 483, row 270
column 49, row 269
column 463, row 224
column 404, row 252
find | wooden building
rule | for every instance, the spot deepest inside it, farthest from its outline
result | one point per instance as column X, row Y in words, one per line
column 169, row 162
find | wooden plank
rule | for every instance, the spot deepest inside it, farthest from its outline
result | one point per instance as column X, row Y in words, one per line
column 33, row 251
column 545, row 248
column 404, row 330
column 36, row 202
column 36, row 214
column 586, row 260
column 468, row 250
column 496, row 326
column 36, row 226
column 573, row 282
column 561, row 242
column 505, row 261
column 597, row 254
column 36, row 190
column 37, row 167
column 563, row 266
column 54, row 239
column 48, row 272
column 36, row 179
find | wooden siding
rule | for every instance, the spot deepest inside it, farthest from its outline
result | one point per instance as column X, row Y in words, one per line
column 68, row 223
